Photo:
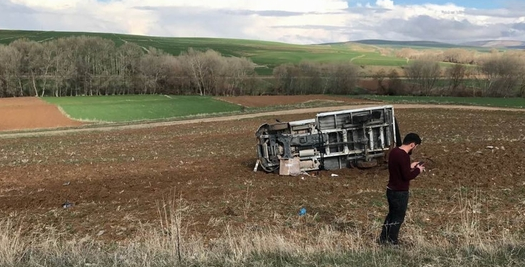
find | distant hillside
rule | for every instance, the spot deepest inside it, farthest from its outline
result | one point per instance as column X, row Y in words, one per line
column 509, row 44
column 426, row 44
column 264, row 53
column 512, row 44
column 267, row 55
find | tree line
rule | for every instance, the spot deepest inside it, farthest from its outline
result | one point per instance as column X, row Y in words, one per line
column 316, row 78
column 76, row 66
column 82, row 65
column 497, row 75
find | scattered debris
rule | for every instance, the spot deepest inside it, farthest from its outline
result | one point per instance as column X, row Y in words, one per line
column 299, row 173
column 334, row 175
column 302, row 212
column 67, row 204
column 256, row 165
column 229, row 211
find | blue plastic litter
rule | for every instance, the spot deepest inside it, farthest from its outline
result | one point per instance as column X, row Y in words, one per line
column 302, row 212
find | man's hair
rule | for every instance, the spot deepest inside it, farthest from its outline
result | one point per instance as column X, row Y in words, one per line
column 412, row 138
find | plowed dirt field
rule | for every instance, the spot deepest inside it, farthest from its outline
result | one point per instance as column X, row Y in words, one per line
column 23, row 113
column 118, row 180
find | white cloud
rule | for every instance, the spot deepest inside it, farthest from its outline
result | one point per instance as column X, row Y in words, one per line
column 257, row 5
column 293, row 21
column 385, row 3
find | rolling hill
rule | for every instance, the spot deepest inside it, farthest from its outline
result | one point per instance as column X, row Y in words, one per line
column 267, row 54
column 264, row 53
column 413, row 44
column 478, row 45
column 511, row 44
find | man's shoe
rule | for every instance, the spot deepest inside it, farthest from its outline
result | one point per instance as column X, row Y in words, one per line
column 387, row 242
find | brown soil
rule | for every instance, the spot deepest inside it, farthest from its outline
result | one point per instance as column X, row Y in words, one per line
column 118, row 180
column 31, row 113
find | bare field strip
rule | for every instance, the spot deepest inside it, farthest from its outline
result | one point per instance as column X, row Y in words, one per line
column 31, row 113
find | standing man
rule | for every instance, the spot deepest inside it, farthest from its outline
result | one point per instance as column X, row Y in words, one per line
column 401, row 171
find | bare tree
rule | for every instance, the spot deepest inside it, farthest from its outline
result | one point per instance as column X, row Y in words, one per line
column 23, row 46
column 423, row 76
column 344, row 78
column 315, row 78
column 64, row 67
column 379, row 78
column 456, row 75
column 310, row 80
column 395, row 84
column 195, row 67
column 172, row 78
column 40, row 66
column 150, row 69
column 286, row 77
column 10, row 60
column 407, row 53
column 238, row 71
column 458, row 55
column 126, row 68
column 503, row 75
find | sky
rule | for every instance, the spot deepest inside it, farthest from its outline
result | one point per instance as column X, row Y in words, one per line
column 289, row 21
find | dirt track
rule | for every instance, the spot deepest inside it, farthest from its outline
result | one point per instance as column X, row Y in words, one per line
column 118, row 180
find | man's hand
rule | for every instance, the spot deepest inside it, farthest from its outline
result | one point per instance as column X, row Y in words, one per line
column 421, row 167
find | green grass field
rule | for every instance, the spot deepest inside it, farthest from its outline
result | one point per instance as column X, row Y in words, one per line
column 138, row 107
column 158, row 107
column 472, row 101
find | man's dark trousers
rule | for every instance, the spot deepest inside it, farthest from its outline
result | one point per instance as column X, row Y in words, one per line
column 397, row 207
